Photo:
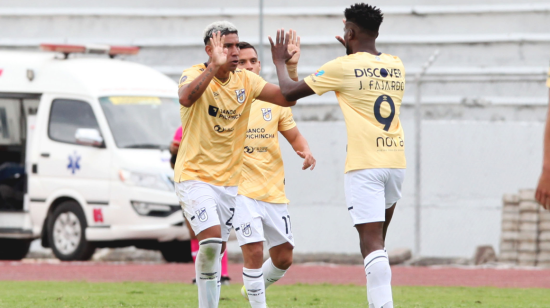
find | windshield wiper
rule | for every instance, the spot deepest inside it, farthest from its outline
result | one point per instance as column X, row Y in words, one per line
column 144, row 146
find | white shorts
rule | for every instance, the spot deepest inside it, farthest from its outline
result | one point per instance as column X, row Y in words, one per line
column 206, row 205
column 369, row 192
column 258, row 221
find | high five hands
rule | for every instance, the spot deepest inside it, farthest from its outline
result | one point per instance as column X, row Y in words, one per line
column 280, row 48
column 293, row 46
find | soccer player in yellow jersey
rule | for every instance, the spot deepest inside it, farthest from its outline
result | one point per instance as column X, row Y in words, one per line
column 543, row 189
column 261, row 213
column 215, row 100
column 369, row 86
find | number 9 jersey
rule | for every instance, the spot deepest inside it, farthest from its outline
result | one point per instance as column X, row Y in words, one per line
column 369, row 89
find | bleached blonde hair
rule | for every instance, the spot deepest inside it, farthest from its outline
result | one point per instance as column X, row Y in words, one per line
column 223, row 26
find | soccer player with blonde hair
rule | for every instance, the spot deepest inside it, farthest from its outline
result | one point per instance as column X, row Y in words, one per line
column 215, row 100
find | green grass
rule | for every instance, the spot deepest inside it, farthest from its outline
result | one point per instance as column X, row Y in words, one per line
column 130, row 294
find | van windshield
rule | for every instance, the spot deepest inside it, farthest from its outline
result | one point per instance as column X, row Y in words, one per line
column 141, row 122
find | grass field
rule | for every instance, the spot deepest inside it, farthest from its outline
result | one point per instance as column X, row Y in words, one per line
column 82, row 294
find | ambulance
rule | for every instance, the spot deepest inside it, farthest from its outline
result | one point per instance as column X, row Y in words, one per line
column 84, row 160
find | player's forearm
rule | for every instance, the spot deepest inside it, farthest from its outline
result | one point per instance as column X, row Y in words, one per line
column 190, row 93
column 286, row 84
column 299, row 144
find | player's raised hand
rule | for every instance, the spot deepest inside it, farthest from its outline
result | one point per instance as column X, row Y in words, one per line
column 219, row 52
column 309, row 160
column 543, row 190
column 279, row 48
column 293, row 45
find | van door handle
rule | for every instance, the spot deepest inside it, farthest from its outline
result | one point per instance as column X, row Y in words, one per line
column 45, row 154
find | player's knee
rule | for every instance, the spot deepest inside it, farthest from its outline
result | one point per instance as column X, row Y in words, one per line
column 284, row 263
column 284, row 260
column 209, row 250
column 253, row 251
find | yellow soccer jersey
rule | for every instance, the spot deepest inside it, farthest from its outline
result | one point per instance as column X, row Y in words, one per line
column 263, row 174
column 214, row 128
column 369, row 89
column 548, row 80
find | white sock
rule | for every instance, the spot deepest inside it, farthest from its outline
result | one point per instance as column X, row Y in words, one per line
column 271, row 273
column 254, row 283
column 219, row 278
column 206, row 269
column 377, row 268
column 371, row 305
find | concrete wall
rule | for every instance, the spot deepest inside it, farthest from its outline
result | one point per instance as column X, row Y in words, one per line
column 484, row 99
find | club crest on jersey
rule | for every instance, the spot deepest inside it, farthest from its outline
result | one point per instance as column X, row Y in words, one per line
column 241, row 95
column 267, row 114
column 247, row 230
column 201, row 214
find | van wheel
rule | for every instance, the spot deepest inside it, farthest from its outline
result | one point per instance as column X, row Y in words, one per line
column 67, row 233
column 176, row 251
column 14, row 249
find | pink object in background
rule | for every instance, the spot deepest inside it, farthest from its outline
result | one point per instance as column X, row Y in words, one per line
column 179, row 133
column 225, row 273
column 194, row 248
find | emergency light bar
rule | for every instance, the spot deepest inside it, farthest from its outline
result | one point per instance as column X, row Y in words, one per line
column 94, row 49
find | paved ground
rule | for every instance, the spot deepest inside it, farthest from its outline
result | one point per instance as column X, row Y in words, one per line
column 304, row 273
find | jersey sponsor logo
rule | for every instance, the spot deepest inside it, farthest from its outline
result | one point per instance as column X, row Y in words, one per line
column 246, row 229
column 250, row 150
column 266, row 112
column 241, row 95
column 214, row 111
column 258, row 133
column 389, row 142
column 319, row 73
column 378, row 72
column 183, row 78
column 202, row 215
column 220, row 129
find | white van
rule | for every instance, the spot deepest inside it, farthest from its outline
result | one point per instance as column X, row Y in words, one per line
column 84, row 159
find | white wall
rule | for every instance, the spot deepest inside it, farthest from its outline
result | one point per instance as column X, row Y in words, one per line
column 466, row 168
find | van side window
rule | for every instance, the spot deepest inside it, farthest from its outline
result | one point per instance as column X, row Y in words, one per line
column 66, row 116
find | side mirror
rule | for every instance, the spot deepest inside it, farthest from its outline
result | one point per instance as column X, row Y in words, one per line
column 89, row 137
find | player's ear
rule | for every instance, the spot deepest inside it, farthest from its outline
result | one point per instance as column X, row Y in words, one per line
column 208, row 49
column 351, row 34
